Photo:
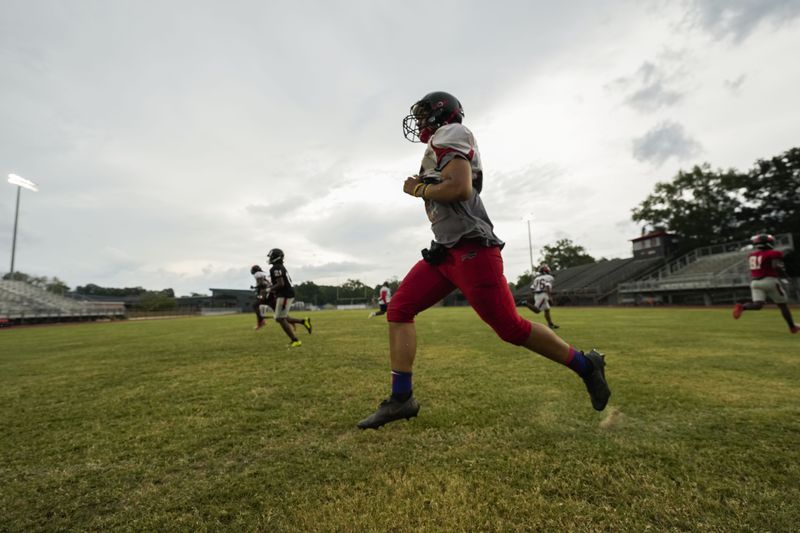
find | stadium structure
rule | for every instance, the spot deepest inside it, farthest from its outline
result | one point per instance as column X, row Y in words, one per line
column 709, row 275
column 23, row 303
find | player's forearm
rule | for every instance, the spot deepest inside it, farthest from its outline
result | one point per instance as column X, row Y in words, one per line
column 455, row 184
column 447, row 191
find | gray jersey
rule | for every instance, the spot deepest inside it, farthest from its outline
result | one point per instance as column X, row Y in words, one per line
column 451, row 222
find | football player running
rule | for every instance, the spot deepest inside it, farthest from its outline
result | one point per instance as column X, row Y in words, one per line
column 263, row 294
column 384, row 297
column 284, row 296
column 464, row 254
column 766, row 269
column 541, row 294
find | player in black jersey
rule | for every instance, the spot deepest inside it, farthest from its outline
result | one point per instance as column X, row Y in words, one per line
column 284, row 296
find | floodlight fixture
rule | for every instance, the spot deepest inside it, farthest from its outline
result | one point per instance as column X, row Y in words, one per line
column 22, row 182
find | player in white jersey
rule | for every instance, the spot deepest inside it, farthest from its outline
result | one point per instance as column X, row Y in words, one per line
column 384, row 297
column 541, row 294
column 262, row 288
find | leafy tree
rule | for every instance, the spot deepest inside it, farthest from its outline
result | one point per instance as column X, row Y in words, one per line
column 308, row 291
column 57, row 286
column 36, row 281
column 524, row 279
column 392, row 283
column 772, row 195
column 155, row 301
column 95, row 290
column 354, row 289
column 564, row 254
column 53, row 284
column 16, row 276
column 702, row 206
column 353, row 286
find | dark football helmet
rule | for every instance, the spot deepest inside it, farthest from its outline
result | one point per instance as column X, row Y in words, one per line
column 430, row 113
column 254, row 269
column 544, row 269
column 275, row 256
column 763, row 241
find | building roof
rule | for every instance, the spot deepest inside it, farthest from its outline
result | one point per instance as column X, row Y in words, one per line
column 231, row 292
column 656, row 233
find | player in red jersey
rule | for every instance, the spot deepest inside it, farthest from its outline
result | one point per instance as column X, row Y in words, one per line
column 766, row 269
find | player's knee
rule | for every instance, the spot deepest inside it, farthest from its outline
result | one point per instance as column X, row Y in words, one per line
column 514, row 332
column 400, row 313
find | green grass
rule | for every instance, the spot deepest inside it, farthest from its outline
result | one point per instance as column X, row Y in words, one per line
column 203, row 424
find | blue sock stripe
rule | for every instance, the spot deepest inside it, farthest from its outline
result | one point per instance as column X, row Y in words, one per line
column 401, row 382
column 579, row 363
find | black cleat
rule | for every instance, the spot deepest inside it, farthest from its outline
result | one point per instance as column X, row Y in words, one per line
column 554, row 326
column 596, row 381
column 390, row 410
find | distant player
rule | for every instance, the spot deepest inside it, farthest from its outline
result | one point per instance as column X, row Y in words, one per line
column 263, row 294
column 465, row 255
column 284, row 296
column 384, row 296
column 766, row 269
column 541, row 293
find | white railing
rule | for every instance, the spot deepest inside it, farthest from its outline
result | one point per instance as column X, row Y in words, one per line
column 698, row 281
column 783, row 241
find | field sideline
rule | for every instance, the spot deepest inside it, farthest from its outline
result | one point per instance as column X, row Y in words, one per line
column 203, row 424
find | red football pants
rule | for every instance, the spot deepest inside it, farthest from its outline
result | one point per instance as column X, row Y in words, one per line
column 478, row 272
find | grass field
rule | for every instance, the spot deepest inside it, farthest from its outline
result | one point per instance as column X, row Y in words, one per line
column 203, row 424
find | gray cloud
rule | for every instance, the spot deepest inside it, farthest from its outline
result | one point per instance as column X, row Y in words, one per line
column 653, row 97
column 668, row 139
column 534, row 184
column 737, row 19
column 284, row 206
column 648, row 90
column 735, row 84
column 340, row 269
column 364, row 230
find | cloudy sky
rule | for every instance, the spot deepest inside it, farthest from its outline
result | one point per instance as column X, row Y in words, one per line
column 176, row 142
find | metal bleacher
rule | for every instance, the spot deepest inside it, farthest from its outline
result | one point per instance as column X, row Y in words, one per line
column 21, row 302
column 709, row 272
column 595, row 282
column 713, row 264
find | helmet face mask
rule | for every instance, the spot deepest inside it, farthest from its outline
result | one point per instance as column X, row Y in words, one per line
column 763, row 241
column 275, row 256
column 430, row 113
column 544, row 269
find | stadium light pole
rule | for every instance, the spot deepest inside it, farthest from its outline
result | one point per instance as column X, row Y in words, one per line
column 21, row 183
column 530, row 243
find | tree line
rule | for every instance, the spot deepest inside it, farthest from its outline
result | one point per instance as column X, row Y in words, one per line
column 351, row 291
